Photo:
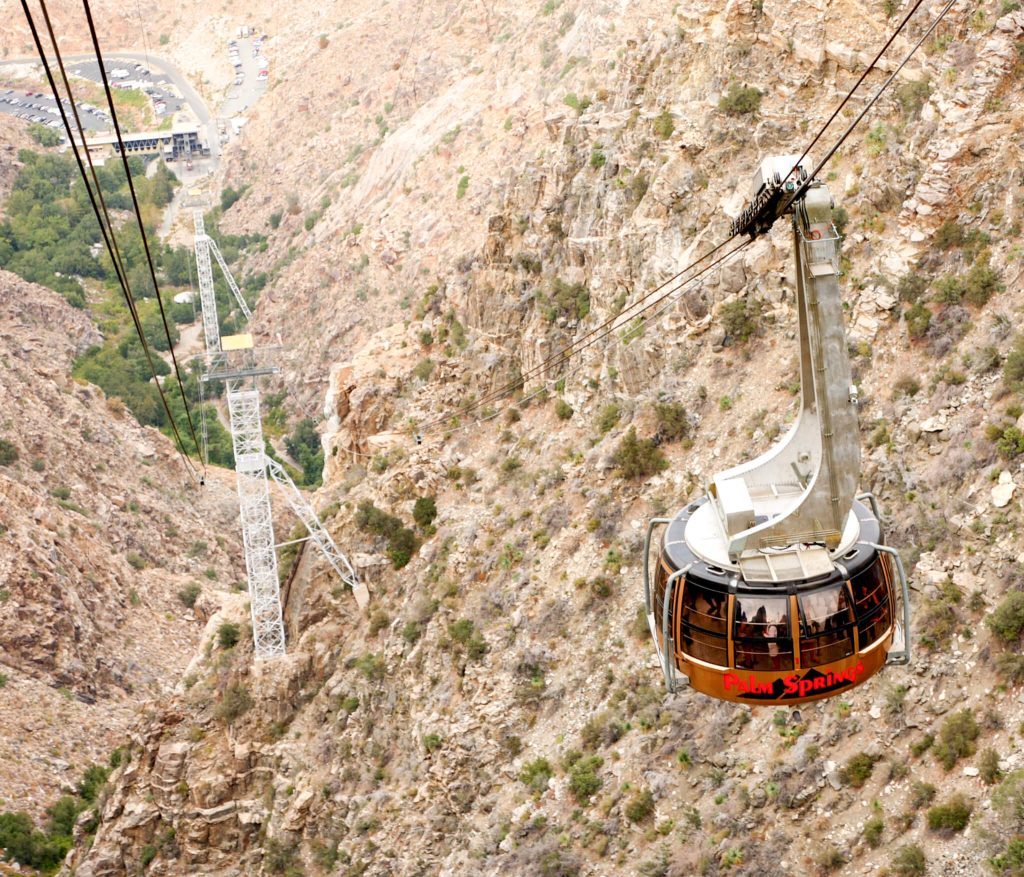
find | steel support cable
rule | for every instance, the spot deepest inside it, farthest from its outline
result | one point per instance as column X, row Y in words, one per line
column 514, row 385
column 118, row 262
column 437, row 425
column 138, row 217
column 665, row 301
column 562, row 356
column 576, row 346
column 829, row 154
column 105, row 229
column 856, row 85
column 874, row 99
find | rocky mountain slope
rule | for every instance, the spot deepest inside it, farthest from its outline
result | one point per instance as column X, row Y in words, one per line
column 100, row 529
column 453, row 192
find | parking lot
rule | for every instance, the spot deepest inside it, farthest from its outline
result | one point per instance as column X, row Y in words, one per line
column 246, row 57
column 34, row 106
column 40, row 107
column 166, row 101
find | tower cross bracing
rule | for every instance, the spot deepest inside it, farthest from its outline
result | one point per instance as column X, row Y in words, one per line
column 252, row 466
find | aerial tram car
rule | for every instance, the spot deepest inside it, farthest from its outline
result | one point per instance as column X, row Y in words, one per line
column 777, row 586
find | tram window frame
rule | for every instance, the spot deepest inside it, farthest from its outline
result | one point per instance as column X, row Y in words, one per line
column 756, row 647
column 814, row 651
column 874, row 620
column 693, row 639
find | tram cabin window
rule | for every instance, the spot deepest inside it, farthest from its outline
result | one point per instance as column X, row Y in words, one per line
column 826, row 631
column 871, row 603
column 703, row 625
column 761, row 633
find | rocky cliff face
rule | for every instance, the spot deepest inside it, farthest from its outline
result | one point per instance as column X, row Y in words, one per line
column 479, row 189
column 100, row 528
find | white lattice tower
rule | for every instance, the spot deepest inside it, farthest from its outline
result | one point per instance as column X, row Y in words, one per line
column 207, row 295
column 257, row 522
column 251, row 468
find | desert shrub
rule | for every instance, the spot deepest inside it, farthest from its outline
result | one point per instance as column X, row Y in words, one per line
column 280, row 859
column 1011, row 861
column 740, row 100
column 907, row 385
column 911, row 287
column 235, row 701
column 956, row 739
column 424, row 511
column 911, row 97
column 597, row 157
column 536, row 774
column 227, row 635
column 664, row 124
column 190, row 593
column 988, row 766
column 1013, row 365
column 423, row 369
column 583, row 779
column 638, row 458
column 229, row 195
column 1007, row 620
column 950, row 817
column 673, row 424
column 948, row 235
column 1008, row 803
column 1010, row 666
column 741, row 319
column 8, row 453
column 909, row 861
column 608, row 417
column 921, row 793
column 923, row 745
column 918, row 319
column 432, row 742
column 464, row 633
column 579, row 104
column 571, row 300
column 873, row 829
column 93, row 779
column 857, row 770
column 379, row 619
column 982, row 282
column 402, row 542
column 830, row 858
column 640, row 806
column 563, row 410
column 949, row 290
column 372, row 666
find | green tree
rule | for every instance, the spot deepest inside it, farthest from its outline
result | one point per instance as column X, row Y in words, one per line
column 44, row 135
